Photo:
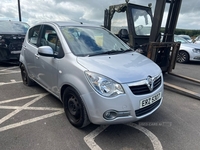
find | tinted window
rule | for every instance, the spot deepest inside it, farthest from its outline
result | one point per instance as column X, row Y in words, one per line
column 13, row 27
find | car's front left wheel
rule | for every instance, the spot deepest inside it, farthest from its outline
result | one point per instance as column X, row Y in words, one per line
column 74, row 108
column 183, row 57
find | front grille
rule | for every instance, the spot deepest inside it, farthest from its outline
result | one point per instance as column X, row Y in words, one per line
column 15, row 46
column 147, row 109
column 143, row 89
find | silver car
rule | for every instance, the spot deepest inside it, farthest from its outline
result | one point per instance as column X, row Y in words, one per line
column 188, row 51
column 98, row 78
column 197, row 40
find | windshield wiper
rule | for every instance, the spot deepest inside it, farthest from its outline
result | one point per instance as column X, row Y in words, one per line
column 128, row 50
column 111, row 52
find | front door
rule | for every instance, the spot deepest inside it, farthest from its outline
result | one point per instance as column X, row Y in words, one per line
column 47, row 67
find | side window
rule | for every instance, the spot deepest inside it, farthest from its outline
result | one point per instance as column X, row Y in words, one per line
column 118, row 22
column 50, row 38
column 33, row 35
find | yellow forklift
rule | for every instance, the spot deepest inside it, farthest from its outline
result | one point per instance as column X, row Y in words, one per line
column 141, row 30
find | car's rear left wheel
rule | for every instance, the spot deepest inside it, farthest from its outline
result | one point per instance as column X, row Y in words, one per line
column 74, row 108
column 183, row 57
column 25, row 78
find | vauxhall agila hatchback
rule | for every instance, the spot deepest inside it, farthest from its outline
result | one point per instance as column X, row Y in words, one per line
column 98, row 78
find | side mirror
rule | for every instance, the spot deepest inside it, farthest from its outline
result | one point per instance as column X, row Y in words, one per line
column 46, row 51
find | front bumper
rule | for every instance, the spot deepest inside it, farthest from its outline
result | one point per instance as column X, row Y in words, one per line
column 7, row 55
column 127, row 106
column 194, row 56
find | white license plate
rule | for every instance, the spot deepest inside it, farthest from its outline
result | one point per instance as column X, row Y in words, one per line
column 150, row 100
column 15, row 52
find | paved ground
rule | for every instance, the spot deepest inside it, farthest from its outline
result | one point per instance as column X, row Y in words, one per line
column 30, row 118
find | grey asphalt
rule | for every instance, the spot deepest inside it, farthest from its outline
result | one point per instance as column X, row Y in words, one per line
column 175, row 123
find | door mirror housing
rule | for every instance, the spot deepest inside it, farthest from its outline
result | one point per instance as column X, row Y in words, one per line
column 46, row 51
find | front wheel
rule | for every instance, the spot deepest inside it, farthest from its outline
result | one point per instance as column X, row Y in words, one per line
column 183, row 57
column 74, row 108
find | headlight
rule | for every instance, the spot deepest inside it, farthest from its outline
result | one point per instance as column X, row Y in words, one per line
column 103, row 85
column 195, row 50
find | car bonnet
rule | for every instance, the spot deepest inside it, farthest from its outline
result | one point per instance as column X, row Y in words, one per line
column 123, row 68
column 190, row 45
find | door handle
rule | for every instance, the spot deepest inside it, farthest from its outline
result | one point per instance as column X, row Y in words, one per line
column 24, row 48
column 37, row 56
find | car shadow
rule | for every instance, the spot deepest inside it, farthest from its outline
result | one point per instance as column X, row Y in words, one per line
column 9, row 64
column 194, row 63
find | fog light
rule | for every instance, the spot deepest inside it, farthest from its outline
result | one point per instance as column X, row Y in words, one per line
column 112, row 114
column 198, row 58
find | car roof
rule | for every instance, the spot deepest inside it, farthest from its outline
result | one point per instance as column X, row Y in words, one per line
column 184, row 35
column 67, row 23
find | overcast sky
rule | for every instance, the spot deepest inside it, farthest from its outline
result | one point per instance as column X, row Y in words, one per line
column 85, row 10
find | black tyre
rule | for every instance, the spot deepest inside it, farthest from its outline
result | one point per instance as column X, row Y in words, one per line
column 183, row 57
column 25, row 78
column 74, row 108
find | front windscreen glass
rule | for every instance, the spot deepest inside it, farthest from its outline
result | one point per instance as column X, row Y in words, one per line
column 91, row 41
column 180, row 39
column 142, row 21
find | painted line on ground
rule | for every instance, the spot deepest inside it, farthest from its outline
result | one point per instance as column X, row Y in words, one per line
column 18, row 109
column 89, row 139
column 21, row 108
column 20, row 98
column 32, row 108
column 9, row 68
column 7, row 83
column 154, row 140
column 15, row 125
column 12, row 72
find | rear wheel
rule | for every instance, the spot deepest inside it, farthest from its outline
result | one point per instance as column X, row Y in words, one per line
column 25, row 78
column 183, row 57
column 74, row 108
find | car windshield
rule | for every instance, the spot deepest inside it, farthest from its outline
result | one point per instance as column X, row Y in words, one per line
column 180, row 39
column 90, row 41
column 13, row 27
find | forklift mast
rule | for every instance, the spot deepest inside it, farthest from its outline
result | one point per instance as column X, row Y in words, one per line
column 136, row 26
